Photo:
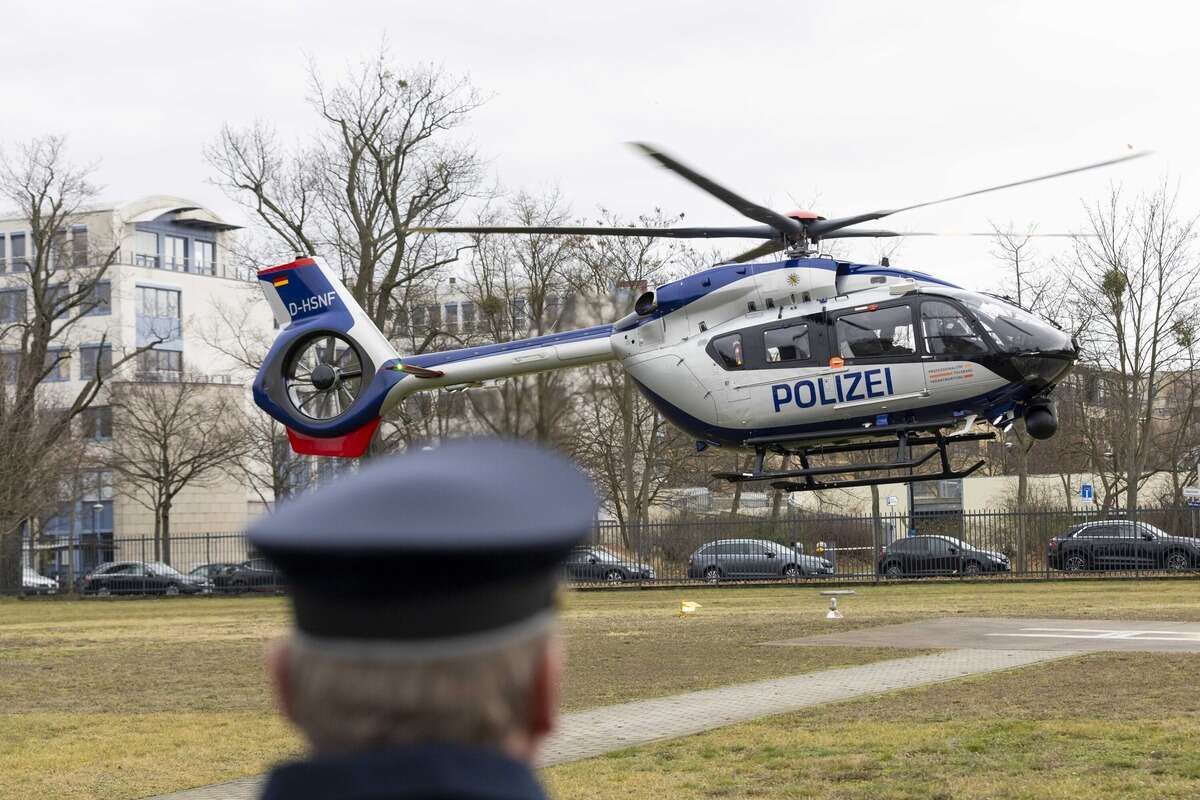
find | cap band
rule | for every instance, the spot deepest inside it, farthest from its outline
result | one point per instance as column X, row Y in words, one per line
column 415, row 650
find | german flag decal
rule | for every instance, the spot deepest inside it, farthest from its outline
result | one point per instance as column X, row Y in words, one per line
column 277, row 282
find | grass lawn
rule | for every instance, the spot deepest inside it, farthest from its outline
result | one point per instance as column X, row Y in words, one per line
column 1106, row 725
column 125, row 699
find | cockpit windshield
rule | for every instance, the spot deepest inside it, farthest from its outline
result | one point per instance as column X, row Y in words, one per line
column 1014, row 329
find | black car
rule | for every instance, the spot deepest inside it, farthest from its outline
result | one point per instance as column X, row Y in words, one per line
column 138, row 577
column 1121, row 544
column 255, row 575
column 938, row 555
column 599, row 564
column 210, row 571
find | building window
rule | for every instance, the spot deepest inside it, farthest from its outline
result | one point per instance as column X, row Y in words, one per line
column 158, row 317
column 12, row 305
column 145, row 245
column 451, row 316
column 56, row 300
column 58, row 364
column 160, row 363
column 93, row 358
column 18, row 261
column 96, row 423
column 79, row 245
column 467, row 312
column 174, row 253
column 204, row 257
column 3, row 252
column 99, row 299
column 520, row 319
column 96, row 502
column 10, row 365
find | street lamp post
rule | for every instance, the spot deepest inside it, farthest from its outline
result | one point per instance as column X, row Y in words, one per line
column 97, row 507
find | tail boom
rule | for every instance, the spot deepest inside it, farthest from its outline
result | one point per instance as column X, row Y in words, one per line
column 333, row 407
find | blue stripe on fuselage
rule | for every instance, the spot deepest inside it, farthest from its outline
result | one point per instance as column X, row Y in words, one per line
column 677, row 294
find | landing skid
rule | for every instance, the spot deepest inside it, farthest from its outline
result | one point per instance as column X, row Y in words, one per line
column 810, row 479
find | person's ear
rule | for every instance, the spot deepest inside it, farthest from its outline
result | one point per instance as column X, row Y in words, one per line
column 277, row 658
column 546, row 690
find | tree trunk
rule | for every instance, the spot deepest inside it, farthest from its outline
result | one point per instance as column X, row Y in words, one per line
column 166, row 533
column 1022, row 500
column 737, row 487
column 777, row 500
column 10, row 556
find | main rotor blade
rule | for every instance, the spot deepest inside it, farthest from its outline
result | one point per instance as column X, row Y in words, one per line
column 764, row 249
column 867, row 233
column 785, row 225
column 871, row 233
column 735, row 232
column 990, row 234
column 821, row 228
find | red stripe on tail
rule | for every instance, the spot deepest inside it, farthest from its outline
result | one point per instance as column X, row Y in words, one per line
column 352, row 445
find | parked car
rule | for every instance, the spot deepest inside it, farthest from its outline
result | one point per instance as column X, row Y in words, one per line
column 737, row 559
column 938, row 555
column 33, row 583
column 1121, row 544
column 255, row 575
column 210, row 571
column 600, row 564
column 137, row 577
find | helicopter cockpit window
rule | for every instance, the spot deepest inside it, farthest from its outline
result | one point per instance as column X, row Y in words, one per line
column 790, row 343
column 728, row 350
column 1015, row 329
column 876, row 332
column 948, row 331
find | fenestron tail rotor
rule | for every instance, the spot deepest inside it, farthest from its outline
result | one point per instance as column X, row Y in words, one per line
column 323, row 376
column 793, row 232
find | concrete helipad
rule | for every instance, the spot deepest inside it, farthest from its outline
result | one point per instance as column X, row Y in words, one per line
column 990, row 633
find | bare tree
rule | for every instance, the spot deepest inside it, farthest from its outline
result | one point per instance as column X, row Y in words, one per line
column 1138, row 276
column 53, row 286
column 521, row 286
column 171, row 435
column 385, row 159
column 633, row 453
column 267, row 464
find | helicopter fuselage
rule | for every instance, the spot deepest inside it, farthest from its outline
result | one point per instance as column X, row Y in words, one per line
column 739, row 355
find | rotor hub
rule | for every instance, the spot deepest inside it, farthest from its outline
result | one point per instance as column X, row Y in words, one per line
column 324, row 377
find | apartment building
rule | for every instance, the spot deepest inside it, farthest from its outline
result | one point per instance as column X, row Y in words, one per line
column 171, row 278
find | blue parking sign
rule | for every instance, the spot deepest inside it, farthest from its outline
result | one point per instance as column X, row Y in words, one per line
column 1085, row 492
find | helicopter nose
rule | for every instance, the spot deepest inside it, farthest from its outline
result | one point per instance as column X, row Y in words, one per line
column 1040, row 370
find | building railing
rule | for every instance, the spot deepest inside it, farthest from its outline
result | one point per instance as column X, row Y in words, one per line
column 807, row 548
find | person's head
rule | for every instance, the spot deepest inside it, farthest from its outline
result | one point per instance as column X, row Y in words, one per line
column 505, row 697
column 423, row 590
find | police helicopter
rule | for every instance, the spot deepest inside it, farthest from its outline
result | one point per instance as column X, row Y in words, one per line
column 807, row 356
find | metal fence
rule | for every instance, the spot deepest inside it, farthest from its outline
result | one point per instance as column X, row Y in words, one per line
column 796, row 547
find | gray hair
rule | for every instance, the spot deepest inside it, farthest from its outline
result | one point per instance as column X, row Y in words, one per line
column 346, row 703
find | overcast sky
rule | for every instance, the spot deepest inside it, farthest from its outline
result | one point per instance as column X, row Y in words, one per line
column 857, row 106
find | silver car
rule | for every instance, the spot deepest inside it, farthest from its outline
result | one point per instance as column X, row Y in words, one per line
column 741, row 559
column 33, row 583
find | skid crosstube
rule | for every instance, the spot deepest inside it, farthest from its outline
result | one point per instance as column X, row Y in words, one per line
column 907, row 437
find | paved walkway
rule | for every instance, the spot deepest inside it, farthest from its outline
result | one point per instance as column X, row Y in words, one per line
column 993, row 633
column 601, row 730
